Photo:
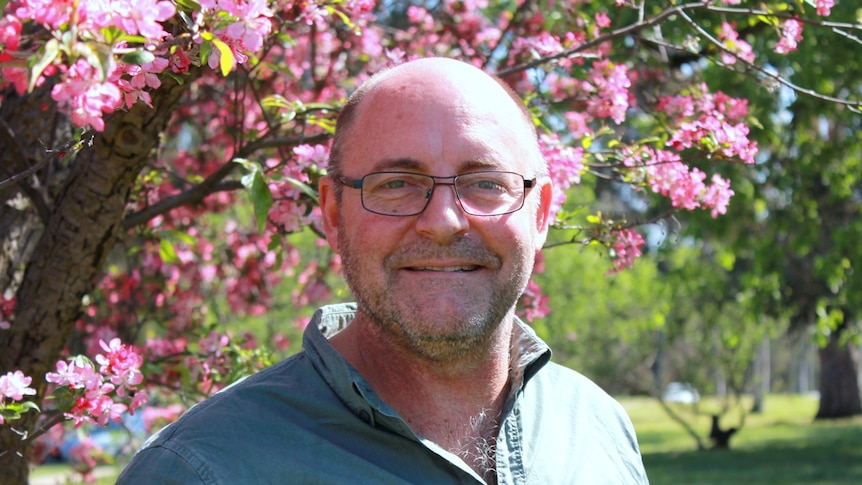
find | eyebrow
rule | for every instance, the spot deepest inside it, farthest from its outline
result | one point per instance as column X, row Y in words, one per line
column 411, row 164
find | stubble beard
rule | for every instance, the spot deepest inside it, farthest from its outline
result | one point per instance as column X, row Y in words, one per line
column 398, row 318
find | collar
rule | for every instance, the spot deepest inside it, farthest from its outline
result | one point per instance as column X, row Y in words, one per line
column 528, row 354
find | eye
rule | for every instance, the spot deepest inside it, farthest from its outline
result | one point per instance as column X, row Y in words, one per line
column 393, row 184
column 489, row 184
column 390, row 182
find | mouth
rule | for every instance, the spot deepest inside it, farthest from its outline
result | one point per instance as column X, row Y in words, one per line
column 444, row 269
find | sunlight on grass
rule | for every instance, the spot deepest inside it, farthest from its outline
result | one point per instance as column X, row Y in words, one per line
column 782, row 445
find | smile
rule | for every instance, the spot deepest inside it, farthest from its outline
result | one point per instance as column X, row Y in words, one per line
column 450, row 269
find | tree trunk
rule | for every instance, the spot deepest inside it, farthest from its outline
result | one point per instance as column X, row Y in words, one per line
column 81, row 228
column 839, row 380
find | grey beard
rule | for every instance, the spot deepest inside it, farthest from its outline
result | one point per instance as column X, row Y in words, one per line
column 394, row 320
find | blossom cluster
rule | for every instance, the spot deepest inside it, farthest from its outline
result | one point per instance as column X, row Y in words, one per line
column 565, row 165
column 625, row 249
column 86, row 393
column 96, row 74
column 13, row 387
column 711, row 122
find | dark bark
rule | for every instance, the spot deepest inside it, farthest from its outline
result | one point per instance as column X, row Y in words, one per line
column 720, row 437
column 839, row 380
column 85, row 222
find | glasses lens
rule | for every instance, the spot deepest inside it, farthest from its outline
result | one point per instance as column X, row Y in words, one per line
column 490, row 193
column 396, row 193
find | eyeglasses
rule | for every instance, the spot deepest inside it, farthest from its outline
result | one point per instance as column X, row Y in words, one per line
column 402, row 194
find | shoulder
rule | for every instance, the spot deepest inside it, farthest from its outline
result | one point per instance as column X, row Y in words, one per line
column 239, row 425
column 575, row 386
column 562, row 406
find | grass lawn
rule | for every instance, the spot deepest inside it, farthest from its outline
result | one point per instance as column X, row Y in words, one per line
column 781, row 446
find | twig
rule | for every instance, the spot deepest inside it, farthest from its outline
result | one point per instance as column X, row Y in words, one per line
column 776, row 77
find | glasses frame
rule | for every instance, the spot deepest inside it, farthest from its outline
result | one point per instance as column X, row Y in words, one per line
column 436, row 181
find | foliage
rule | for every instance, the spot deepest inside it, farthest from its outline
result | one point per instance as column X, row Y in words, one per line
column 617, row 90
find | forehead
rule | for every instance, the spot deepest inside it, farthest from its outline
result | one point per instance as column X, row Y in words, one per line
column 440, row 126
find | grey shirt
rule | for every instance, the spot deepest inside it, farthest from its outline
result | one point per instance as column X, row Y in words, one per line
column 313, row 419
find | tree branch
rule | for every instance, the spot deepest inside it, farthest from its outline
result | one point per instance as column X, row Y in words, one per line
column 215, row 182
column 682, row 10
column 774, row 76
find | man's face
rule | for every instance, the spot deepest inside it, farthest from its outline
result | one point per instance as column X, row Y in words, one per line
column 441, row 281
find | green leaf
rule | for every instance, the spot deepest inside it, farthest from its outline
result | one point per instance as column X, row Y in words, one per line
column 255, row 182
column 276, row 101
column 138, row 57
column 167, row 251
column 305, row 188
column 97, row 55
column 29, row 406
column 188, row 5
column 64, row 398
column 52, row 50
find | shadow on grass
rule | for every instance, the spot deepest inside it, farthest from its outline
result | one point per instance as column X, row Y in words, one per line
column 821, row 454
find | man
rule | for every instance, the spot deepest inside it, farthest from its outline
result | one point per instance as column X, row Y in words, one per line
column 437, row 201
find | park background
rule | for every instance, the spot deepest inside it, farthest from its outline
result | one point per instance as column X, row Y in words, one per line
column 186, row 229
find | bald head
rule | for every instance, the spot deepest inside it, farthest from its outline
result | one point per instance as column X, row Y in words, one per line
column 435, row 81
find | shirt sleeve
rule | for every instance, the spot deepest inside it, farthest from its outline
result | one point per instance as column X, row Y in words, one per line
column 160, row 466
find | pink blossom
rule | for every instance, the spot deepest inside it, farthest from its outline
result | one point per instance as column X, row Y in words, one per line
column 139, row 399
column 84, row 457
column 311, row 155
column 717, row 196
column 53, row 13
column 250, row 32
column 10, row 32
column 16, row 385
column 75, row 374
column 734, row 44
column 142, row 78
column 421, row 16
column 625, row 249
column 824, row 7
column 6, row 309
column 121, row 364
column 86, row 97
column 142, row 16
column 180, row 62
column 602, row 20
column 565, row 165
column 791, row 34
column 534, row 304
column 155, row 417
column 609, row 85
column 19, row 77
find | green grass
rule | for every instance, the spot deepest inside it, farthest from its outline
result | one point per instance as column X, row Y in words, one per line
column 783, row 445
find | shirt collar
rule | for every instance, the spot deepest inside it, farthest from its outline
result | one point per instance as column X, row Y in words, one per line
column 528, row 354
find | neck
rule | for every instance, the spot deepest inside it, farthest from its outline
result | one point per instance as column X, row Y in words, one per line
column 456, row 404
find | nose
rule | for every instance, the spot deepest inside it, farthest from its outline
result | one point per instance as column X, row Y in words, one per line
column 443, row 218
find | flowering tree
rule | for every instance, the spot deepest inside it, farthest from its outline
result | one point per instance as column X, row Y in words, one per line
column 123, row 125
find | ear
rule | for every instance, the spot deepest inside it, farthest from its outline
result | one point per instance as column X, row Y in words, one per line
column 543, row 211
column 329, row 210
